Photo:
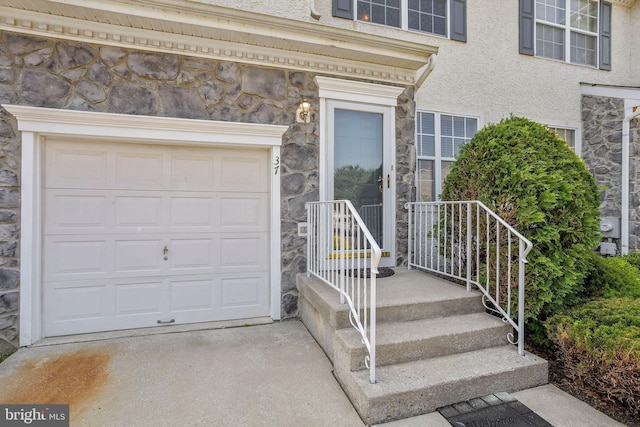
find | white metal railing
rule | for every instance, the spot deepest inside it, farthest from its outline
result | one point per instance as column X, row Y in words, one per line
column 372, row 217
column 340, row 248
column 468, row 241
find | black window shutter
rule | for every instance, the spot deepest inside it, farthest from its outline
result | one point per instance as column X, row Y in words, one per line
column 605, row 36
column 526, row 25
column 458, row 20
column 343, row 9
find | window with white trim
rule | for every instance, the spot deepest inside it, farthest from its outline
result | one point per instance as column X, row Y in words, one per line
column 439, row 138
column 445, row 18
column 573, row 31
column 569, row 135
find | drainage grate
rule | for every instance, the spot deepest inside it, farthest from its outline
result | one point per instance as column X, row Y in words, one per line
column 494, row 410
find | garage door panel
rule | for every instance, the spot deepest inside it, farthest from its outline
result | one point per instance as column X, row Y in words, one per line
column 194, row 171
column 141, row 212
column 74, row 258
column 245, row 212
column 139, row 170
column 195, row 255
column 244, row 173
column 76, row 166
column 139, row 298
column 243, row 252
column 139, row 256
column 193, row 212
column 76, row 211
column 193, row 294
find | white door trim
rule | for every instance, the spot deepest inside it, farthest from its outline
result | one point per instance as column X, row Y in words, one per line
column 359, row 96
column 37, row 123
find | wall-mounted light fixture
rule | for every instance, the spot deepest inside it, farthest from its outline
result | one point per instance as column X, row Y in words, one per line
column 303, row 113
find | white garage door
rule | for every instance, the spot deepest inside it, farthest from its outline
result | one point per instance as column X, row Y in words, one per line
column 142, row 235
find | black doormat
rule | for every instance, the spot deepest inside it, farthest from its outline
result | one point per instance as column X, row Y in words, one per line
column 366, row 272
column 494, row 410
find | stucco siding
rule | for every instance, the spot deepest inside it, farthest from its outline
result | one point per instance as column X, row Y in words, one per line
column 487, row 77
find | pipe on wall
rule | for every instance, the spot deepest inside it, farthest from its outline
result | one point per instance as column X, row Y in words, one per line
column 624, row 223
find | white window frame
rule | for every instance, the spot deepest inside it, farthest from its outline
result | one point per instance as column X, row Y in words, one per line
column 577, row 142
column 37, row 124
column 404, row 19
column 437, row 158
column 568, row 29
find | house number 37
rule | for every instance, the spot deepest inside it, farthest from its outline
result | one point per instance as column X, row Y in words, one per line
column 276, row 165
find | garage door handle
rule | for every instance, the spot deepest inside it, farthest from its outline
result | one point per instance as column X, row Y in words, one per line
column 160, row 322
column 164, row 252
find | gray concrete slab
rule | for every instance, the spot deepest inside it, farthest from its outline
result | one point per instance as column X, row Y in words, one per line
column 271, row 375
column 267, row 375
column 561, row 409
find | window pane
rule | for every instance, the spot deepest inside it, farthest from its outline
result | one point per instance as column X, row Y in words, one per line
column 386, row 12
column 583, row 49
column 446, row 125
column 584, row 14
column 551, row 11
column 549, row 42
column 446, row 168
column 569, row 135
column 425, row 181
column 446, row 146
column 432, row 16
column 426, row 134
column 427, row 146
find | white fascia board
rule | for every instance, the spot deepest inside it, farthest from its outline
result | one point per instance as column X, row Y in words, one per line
column 50, row 121
column 352, row 91
column 622, row 92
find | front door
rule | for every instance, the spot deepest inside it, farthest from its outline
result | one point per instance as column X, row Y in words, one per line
column 361, row 168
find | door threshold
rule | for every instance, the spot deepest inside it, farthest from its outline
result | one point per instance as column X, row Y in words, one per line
column 155, row 330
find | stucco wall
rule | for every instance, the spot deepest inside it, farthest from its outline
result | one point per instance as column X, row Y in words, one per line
column 487, row 77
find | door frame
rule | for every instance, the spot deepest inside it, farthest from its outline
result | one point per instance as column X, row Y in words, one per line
column 367, row 97
column 36, row 124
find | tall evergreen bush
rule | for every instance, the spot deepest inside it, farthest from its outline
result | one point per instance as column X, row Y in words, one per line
column 530, row 177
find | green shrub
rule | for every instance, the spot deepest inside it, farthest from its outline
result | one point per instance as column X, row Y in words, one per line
column 612, row 277
column 634, row 259
column 533, row 180
column 599, row 346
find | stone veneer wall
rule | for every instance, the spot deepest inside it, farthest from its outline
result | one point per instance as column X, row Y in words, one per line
column 602, row 152
column 51, row 73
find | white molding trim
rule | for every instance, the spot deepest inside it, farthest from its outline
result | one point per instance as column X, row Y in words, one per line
column 623, row 92
column 224, row 34
column 36, row 124
column 348, row 90
column 145, row 128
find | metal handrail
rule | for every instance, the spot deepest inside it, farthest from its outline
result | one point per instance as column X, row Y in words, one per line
column 339, row 250
column 466, row 240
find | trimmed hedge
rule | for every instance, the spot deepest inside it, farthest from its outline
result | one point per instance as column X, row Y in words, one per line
column 612, row 277
column 599, row 346
column 530, row 177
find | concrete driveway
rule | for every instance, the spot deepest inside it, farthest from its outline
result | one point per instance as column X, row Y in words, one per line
column 265, row 375
column 253, row 376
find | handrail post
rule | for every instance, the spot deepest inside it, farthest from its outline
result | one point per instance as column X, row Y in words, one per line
column 468, row 256
column 410, row 217
column 521, row 265
column 372, row 330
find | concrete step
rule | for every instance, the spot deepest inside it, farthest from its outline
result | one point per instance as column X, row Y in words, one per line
column 400, row 342
column 405, row 296
column 419, row 387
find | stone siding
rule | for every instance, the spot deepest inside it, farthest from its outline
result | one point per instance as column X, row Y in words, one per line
column 52, row 73
column 602, row 152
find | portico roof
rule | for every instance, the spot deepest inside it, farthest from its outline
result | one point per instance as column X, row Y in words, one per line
column 222, row 33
